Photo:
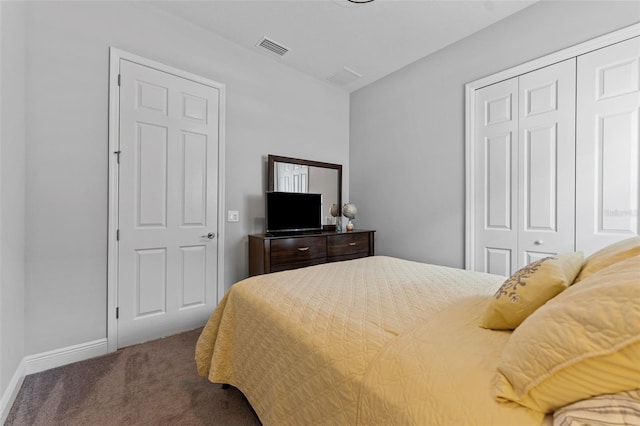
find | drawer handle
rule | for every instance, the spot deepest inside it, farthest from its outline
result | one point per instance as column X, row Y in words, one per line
column 303, row 248
column 352, row 244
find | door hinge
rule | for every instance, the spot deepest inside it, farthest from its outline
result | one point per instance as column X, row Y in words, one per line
column 117, row 312
column 119, row 75
column 117, row 235
column 117, row 153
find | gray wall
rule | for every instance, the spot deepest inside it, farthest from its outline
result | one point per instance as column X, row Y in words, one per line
column 270, row 109
column 407, row 130
column 12, row 184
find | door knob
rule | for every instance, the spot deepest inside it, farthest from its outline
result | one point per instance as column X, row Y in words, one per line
column 210, row 236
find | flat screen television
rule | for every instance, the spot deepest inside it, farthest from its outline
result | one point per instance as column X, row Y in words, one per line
column 293, row 212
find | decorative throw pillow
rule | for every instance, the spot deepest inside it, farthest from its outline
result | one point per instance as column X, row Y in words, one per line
column 529, row 288
column 609, row 255
column 584, row 342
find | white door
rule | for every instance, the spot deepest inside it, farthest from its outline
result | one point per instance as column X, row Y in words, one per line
column 496, row 131
column 168, row 192
column 524, row 169
column 608, row 145
column 292, row 177
column 546, row 162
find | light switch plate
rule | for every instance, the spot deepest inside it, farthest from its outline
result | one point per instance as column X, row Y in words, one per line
column 233, row 216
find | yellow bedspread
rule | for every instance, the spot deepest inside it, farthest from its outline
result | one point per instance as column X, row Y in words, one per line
column 370, row 341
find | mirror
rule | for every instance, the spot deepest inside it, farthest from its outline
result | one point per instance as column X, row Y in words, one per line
column 287, row 174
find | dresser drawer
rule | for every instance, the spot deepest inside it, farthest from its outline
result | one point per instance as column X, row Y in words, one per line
column 271, row 253
column 295, row 265
column 296, row 250
column 347, row 244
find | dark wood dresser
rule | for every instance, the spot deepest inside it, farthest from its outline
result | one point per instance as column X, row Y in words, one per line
column 278, row 253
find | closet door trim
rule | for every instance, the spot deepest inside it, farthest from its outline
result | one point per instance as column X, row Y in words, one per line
column 470, row 99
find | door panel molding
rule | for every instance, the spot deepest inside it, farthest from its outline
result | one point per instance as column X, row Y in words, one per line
column 540, row 178
column 194, row 109
column 498, row 187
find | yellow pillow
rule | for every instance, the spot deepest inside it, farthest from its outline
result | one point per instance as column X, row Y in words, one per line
column 582, row 343
column 609, row 255
column 529, row 288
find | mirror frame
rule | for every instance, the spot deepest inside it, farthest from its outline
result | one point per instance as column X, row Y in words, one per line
column 272, row 159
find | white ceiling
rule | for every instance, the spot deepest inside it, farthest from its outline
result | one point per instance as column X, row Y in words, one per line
column 323, row 36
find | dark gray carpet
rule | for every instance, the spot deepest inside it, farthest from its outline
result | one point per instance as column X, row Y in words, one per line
column 154, row 383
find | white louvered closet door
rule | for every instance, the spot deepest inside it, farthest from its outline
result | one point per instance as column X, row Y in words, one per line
column 608, row 90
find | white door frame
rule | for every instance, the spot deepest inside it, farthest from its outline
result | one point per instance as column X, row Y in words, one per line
column 470, row 98
column 115, row 56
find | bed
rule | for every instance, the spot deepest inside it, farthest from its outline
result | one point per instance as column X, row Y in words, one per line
column 377, row 340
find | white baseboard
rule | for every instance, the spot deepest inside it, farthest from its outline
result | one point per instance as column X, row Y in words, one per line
column 63, row 356
column 11, row 391
column 45, row 361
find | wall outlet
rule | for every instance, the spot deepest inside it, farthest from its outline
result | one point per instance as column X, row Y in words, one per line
column 233, row 216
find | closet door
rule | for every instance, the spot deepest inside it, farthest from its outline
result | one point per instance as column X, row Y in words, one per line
column 607, row 150
column 546, row 162
column 496, row 135
column 525, row 169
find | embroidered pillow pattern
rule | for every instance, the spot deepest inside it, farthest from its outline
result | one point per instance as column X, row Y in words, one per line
column 510, row 287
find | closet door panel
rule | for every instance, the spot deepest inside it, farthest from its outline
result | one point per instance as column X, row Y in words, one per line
column 608, row 155
column 546, row 162
column 498, row 261
column 498, row 202
column 540, row 146
column 618, row 168
column 533, row 256
column 496, row 129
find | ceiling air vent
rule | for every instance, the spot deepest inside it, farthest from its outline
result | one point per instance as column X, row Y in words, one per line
column 344, row 76
column 272, row 46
